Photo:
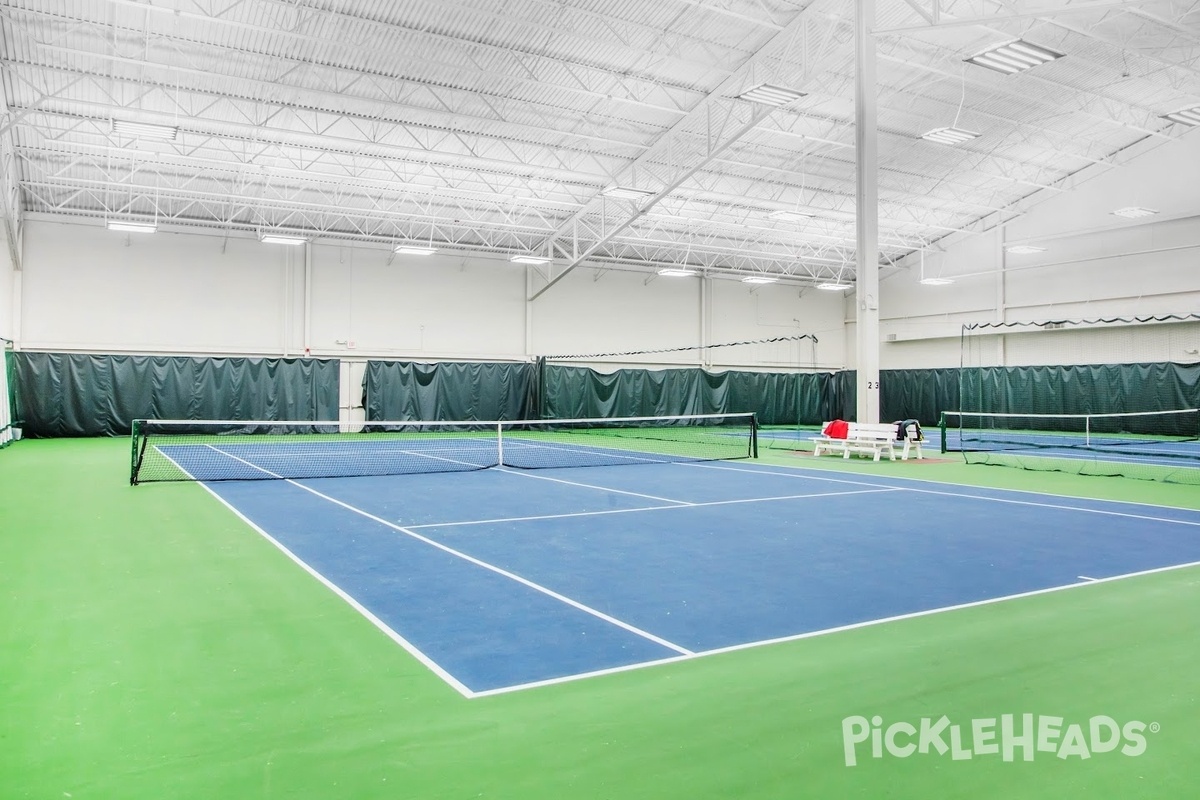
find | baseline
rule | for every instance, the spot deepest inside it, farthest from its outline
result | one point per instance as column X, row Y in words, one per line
column 825, row 632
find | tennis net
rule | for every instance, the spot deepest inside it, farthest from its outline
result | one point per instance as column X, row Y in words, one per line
column 1159, row 445
column 182, row 450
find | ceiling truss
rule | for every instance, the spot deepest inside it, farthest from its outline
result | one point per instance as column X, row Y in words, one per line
column 480, row 128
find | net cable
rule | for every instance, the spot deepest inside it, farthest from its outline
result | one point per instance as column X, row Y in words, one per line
column 690, row 348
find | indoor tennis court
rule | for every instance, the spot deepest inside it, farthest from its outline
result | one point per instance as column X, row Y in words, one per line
column 580, row 399
column 615, row 568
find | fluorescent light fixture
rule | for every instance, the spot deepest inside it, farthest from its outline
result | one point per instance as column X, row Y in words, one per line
column 414, row 250
column 984, row 61
column 1188, row 116
column 949, row 135
column 529, row 260
column 144, row 130
column 759, row 279
column 1025, row 249
column 936, row 281
column 790, row 216
column 271, row 238
column 1013, row 57
column 835, row 286
column 131, row 227
column 673, row 272
column 770, row 95
column 1134, row 212
column 628, row 192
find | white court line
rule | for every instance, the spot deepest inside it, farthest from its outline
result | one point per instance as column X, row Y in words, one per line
column 1086, row 578
column 646, row 508
column 286, row 457
column 479, row 563
column 965, row 495
column 388, row 631
column 609, row 452
column 686, row 655
column 277, row 451
column 357, row 606
column 807, row 472
column 524, row 474
column 826, row 631
column 1158, row 458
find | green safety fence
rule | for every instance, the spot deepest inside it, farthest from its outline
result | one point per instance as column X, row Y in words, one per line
column 73, row 394
column 1080, row 389
column 920, row 394
column 9, row 418
column 923, row 394
column 776, row 398
column 81, row 394
column 502, row 391
column 409, row 390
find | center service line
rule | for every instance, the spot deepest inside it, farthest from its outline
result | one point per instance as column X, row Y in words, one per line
column 471, row 559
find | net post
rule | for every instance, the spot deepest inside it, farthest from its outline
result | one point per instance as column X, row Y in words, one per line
column 942, row 429
column 134, row 431
column 754, row 435
column 1087, row 431
column 499, row 444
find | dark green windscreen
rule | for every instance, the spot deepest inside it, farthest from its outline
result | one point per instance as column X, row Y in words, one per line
column 920, row 394
column 408, row 390
column 1081, row 389
column 8, row 402
column 81, row 394
column 777, row 398
column 502, row 391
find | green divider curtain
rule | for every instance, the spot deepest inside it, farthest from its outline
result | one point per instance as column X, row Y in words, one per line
column 920, row 394
column 6, row 399
column 1087, row 389
column 76, row 394
column 923, row 394
column 777, row 398
column 1083, row 389
column 407, row 390
column 843, row 394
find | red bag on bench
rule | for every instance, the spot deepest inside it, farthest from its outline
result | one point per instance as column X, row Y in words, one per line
column 838, row 429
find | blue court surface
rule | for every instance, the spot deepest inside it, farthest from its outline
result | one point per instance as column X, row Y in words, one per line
column 502, row 579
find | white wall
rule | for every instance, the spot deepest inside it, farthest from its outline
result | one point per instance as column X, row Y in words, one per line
column 86, row 288
column 595, row 311
column 423, row 307
column 1095, row 265
column 742, row 313
column 8, row 308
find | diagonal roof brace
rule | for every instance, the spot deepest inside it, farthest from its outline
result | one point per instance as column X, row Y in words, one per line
column 606, row 228
column 690, row 145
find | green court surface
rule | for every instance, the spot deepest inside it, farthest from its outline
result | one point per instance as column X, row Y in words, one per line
column 154, row 646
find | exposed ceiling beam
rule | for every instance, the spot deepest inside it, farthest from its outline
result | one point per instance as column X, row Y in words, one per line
column 939, row 13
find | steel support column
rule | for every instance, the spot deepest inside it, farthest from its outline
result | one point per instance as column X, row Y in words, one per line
column 867, row 212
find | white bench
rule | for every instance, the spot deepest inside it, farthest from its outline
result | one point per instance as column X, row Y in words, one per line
column 870, row 439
